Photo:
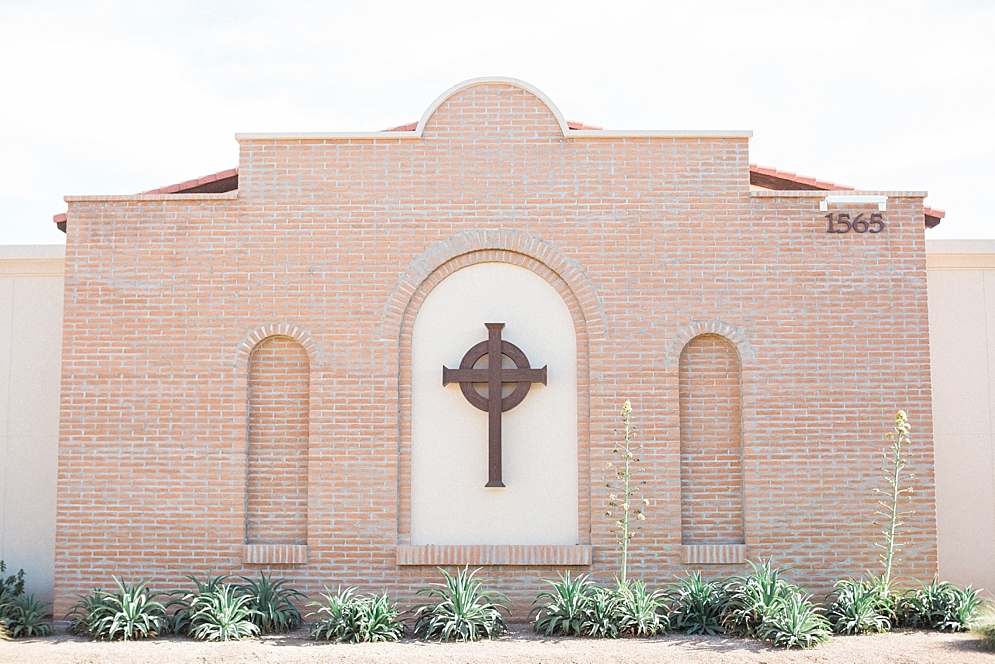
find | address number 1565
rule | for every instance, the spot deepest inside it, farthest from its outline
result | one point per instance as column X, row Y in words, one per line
column 841, row 223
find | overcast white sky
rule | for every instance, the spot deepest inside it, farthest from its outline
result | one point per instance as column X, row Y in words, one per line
column 122, row 96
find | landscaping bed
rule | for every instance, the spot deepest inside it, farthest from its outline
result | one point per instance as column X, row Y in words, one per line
column 521, row 644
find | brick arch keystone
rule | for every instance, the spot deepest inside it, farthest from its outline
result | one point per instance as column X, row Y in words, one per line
column 581, row 288
column 734, row 334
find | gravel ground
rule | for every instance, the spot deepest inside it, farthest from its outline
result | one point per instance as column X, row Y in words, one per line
column 521, row 645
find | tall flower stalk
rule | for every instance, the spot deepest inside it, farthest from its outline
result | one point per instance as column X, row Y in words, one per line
column 896, row 460
column 629, row 513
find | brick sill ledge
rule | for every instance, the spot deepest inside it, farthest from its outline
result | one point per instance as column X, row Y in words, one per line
column 274, row 554
column 713, row 554
column 494, row 554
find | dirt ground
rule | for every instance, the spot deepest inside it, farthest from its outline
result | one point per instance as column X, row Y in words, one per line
column 521, row 645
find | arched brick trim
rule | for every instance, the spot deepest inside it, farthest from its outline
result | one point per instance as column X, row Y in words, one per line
column 464, row 255
column 736, row 336
column 430, row 260
column 252, row 339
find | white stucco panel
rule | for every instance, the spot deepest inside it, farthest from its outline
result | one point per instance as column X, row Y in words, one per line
column 449, row 503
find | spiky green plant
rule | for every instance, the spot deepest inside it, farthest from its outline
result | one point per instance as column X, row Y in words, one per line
column 940, row 605
column 179, row 621
column 565, row 607
column 131, row 613
column 222, row 614
column 623, row 505
column 795, row 623
column 753, row 597
column 273, row 602
column 465, row 611
column 859, row 607
column 349, row 617
column 601, row 617
column 28, row 617
column 87, row 610
column 379, row 619
column 638, row 611
column 965, row 610
column 697, row 606
column 136, row 613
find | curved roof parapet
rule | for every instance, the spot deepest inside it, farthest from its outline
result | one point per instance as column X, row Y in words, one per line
column 569, row 128
column 500, row 80
column 573, row 125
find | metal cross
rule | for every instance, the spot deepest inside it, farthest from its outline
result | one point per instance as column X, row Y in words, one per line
column 494, row 375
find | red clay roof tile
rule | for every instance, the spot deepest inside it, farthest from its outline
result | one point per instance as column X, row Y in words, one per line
column 770, row 177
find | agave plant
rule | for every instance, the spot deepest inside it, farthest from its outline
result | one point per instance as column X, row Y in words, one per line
column 132, row 613
column 940, row 605
column 753, row 597
column 638, row 610
column 966, row 610
column 179, row 621
column 353, row 618
column 565, row 608
column 601, row 617
column 28, row 617
column 465, row 610
column 379, row 619
column 221, row 614
column 858, row 608
column 795, row 623
column 697, row 606
column 272, row 601
column 87, row 609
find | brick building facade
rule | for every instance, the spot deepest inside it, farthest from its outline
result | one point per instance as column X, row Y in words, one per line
column 237, row 363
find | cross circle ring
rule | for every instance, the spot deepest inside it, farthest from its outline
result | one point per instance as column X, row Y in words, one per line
column 521, row 388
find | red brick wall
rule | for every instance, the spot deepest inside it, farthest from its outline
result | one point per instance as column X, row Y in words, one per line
column 338, row 238
column 711, row 442
column 276, row 501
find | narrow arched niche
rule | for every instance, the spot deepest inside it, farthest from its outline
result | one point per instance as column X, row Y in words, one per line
column 710, row 395
column 278, row 413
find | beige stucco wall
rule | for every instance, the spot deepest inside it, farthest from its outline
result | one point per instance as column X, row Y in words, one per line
column 30, row 356
column 961, row 276
column 538, row 504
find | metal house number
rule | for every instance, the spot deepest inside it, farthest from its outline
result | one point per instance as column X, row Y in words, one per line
column 842, row 223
